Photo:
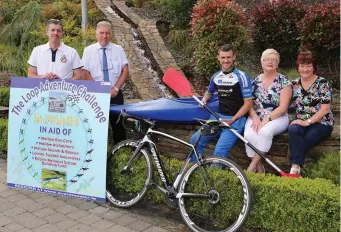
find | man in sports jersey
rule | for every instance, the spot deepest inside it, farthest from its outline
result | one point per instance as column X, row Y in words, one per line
column 235, row 100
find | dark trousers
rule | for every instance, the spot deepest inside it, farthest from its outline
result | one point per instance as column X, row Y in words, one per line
column 118, row 131
column 302, row 139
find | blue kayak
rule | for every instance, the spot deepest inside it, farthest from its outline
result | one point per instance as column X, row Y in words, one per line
column 176, row 110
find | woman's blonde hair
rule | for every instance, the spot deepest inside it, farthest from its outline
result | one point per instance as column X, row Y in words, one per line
column 268, row 52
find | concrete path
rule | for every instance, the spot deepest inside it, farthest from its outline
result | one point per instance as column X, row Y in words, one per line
column 24, row 211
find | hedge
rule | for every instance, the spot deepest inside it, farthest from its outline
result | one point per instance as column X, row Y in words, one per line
column 4, row 96
column 279, row 204
column 3, row 135
column 327, row 167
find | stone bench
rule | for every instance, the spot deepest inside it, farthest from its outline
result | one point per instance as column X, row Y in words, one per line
column 279, row 151
column 3, row 112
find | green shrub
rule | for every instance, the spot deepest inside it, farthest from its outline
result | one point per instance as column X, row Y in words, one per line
column 215, row 23
column 291, row 73
column 179, row 11
column 320, row 29
column 275, row 26
column 4, row 96
column 5, row 79
column 3, row 135
column 8, row 8
column 24, row 21
column 320, row 32
column 178, row 38
column 8, row 61
column 62, row 9
column 327, row 167
column 308, row 204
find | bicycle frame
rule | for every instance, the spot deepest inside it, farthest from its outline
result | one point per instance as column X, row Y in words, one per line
column 170, row 191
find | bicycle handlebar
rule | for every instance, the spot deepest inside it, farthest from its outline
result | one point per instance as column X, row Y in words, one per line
column 221, row 125
column 126, row 116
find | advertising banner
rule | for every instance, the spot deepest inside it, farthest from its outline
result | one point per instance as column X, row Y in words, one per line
column 57, row 136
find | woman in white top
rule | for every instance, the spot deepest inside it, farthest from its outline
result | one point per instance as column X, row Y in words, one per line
column 271, row 94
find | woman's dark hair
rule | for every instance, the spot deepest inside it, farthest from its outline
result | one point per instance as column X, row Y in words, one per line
column 306, row 57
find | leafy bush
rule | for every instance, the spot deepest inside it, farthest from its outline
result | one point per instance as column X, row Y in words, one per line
column 291, row 73
column 8, row 8
column 5, row 79
column 62, row 10
column 320, row 29
column 215, row 23
column 275, row 26
column 320, row 32
column 327, row 167
column 178, row 38
column 7, row 57
column 18, row 31
column 4, row 96
column 309, row 205
column 3, row 136
column 179, row 11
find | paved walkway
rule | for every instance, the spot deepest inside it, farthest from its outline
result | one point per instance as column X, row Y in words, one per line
column 24, row 211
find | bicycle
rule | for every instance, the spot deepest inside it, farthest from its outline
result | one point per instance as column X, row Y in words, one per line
column 213, row 193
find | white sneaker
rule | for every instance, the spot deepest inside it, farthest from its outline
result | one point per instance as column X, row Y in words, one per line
column 295, row 171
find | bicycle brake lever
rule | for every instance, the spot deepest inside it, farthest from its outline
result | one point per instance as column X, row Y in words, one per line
column 201, row 121
column 119, row 118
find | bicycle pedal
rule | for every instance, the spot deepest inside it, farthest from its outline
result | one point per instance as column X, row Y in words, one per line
column 172, row 202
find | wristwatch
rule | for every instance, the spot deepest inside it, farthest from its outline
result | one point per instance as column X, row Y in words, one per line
column 310, row 122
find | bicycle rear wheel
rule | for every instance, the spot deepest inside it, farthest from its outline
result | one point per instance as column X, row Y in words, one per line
column 128, row 188
column 229, row 196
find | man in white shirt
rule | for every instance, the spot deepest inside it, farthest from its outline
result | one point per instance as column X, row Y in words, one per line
column 105, row 61
column 54, row 59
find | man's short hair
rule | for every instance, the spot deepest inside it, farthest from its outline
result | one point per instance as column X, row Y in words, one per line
column 226, row 48
column 54, row 21
column 103, row 23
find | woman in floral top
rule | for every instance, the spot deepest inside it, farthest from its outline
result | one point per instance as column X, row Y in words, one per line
column 271, row 94
column 312, row 100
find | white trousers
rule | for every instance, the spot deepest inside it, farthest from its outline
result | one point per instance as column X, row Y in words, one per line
column 263, row 139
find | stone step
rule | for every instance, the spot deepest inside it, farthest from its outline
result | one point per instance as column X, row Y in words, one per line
column 3, row 111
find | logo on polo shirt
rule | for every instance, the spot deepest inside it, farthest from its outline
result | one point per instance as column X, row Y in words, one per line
column 63, row 59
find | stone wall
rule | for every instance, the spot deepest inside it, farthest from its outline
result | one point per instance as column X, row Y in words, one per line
column 156, row 49
column 279, row 152
column 145, row 86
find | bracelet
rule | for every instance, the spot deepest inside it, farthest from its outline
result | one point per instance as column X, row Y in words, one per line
column 269, row 116
column 117, row 89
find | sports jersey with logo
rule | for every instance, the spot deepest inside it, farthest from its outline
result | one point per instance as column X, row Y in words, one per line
column 232, row 87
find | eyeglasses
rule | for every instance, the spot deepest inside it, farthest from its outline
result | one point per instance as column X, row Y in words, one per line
column 110, row 65
column 109, row 62
column 270, row 59
column 54, row 21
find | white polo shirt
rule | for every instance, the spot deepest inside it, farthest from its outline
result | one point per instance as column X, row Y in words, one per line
column 92, row 61
column 67, row 59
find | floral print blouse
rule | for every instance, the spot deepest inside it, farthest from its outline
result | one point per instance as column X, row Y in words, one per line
column 307, row 103
column 267, row 100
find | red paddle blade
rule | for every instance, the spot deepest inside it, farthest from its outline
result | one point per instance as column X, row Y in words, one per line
column 289, row 175
column 177, row 82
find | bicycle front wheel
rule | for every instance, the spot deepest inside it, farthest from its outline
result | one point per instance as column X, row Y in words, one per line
column 215, row 196
column 125, row 189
